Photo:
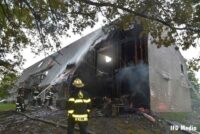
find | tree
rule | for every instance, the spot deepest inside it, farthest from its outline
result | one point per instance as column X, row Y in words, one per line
column 195, row 90
column 24, row 22
column 7, row 83
column 194, row 81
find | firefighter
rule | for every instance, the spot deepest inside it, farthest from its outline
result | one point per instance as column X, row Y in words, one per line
column 49, row 98
column 78, row 107
column 20, row 106
column 36, row 98
column 21, row 91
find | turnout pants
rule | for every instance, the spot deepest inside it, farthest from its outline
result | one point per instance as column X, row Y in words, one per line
column 82, row 126
column 20, row 107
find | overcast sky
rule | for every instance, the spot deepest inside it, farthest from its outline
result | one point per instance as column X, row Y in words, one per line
column 31, row 58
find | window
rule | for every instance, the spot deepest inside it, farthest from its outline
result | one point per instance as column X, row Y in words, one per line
column 38, row 78
column 182, row 70
column 43, row 75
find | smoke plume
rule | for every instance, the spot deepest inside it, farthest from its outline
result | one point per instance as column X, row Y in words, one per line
column 135, row 79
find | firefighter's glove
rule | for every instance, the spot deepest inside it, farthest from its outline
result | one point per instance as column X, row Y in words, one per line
column 89, row 112
column 70, row 112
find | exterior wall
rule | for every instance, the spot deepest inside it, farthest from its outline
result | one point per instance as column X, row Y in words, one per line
column 168, row 82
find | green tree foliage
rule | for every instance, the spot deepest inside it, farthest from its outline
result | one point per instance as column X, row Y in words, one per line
column 6, row 83
column 25, row 22
column 194, row 81
column 195, row 91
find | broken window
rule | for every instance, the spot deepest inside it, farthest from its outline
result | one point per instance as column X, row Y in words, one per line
column 36, row 79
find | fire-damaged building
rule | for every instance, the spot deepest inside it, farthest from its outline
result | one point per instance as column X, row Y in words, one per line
column 116, row 64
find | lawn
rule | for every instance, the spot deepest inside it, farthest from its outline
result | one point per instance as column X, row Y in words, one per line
column 7, row 106
column 179, row 116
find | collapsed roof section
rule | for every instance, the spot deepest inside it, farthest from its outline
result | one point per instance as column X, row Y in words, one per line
column 54, row 66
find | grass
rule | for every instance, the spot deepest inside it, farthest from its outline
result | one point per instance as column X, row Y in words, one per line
column 179, row 117
column 7, row 106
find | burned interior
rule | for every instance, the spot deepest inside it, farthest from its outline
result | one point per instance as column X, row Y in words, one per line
column 117, row 68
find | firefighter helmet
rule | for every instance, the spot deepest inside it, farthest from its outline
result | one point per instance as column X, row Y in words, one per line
column 78, row 83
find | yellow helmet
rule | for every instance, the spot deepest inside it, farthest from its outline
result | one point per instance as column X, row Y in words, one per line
column 78, row 83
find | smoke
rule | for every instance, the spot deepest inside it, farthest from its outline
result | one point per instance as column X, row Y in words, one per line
column 135, row 79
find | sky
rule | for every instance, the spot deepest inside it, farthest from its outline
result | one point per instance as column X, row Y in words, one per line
column 32, row 58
